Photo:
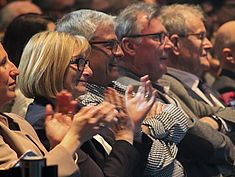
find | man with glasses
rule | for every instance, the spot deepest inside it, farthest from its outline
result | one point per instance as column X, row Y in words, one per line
column 188, row 59
column 146, row 49
column 98, row 28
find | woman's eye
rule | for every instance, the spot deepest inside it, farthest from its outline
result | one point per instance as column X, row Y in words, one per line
column 3, row 62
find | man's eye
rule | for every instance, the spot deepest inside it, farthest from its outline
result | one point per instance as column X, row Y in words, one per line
column 202, row 36
column 156, row 37
column 108, row 45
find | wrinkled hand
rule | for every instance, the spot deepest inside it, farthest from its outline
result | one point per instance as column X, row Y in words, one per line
column 91, row 120
column 58, row 123
column 137, row 107
column 123, row 128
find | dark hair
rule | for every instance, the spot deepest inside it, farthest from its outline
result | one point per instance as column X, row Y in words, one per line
column 20, row 30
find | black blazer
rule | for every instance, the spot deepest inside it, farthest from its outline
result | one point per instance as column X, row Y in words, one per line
column 125, row 160
column 203, row 148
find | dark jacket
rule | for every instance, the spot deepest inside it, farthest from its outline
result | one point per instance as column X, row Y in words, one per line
column 123, row 161
column 202, row 149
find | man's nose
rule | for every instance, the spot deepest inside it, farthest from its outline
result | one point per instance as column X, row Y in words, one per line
column 207, row 44
column 118, row 53
column 168, row 44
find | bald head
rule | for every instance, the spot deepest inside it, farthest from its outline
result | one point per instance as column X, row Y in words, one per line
column 14, row 9
column 224, row 43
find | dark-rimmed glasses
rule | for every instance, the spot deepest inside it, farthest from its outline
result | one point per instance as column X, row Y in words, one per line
column 109, row 44
column 201, row 35
column 159, row 37
column 81, row 62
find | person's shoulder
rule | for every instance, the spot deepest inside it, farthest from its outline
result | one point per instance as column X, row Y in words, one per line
column 125, row 80
column 175, row 84
column 224, row 83
column 19, row 120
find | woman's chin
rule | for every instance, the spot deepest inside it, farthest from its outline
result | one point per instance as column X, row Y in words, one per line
column 6, row 100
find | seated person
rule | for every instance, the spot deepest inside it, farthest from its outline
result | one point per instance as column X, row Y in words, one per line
column 224, row 49
column 51, row 62
column 18, row 136
column 17, row 34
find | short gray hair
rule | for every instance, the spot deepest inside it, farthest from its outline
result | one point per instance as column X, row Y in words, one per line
column 83, row 22
column 174, row 17
column 126, row 20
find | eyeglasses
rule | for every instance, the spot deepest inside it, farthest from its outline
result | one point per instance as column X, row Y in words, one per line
column 109, row 44
column 159, row 37
column 201, row 35
column 81, row 62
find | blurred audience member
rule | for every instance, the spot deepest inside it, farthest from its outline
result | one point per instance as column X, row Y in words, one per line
column 20, row 30
column 12, row 10
column 224, row 49
column 55, row 9
column 189, row 57
column 112, row 7
column 18, row 33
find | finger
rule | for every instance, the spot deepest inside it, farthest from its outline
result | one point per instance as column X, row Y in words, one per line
column 106, row 110
column 140, row 95
column 117, row 98
column 110, row 117
column 149, row 88
column 128, row 94
column 67, row 120
column 49, row 112
column 106, row 107
column 144, row 78
column 112, row 96
column 152, row 99
column 62, row 100
column 85, row 112
column 72, row 108
column 106, row 95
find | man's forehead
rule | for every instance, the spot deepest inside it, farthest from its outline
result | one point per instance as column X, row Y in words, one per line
column 104, row 34
column 142, row 18
column 195, row 25
column 154, row 26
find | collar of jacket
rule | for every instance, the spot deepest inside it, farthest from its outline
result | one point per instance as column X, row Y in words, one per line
column 7, row 120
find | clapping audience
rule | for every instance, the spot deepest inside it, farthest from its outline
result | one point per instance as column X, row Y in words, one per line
column 111, row 95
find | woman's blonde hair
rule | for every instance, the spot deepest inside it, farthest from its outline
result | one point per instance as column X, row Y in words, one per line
column 45, row 60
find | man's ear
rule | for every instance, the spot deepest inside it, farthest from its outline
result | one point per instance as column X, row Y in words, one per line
column 128, row 46
column 175, row 40
column 228, row 56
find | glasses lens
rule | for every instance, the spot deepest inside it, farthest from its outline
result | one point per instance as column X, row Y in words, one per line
column 159, row 37
column 203, row 36
column 81, row 63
